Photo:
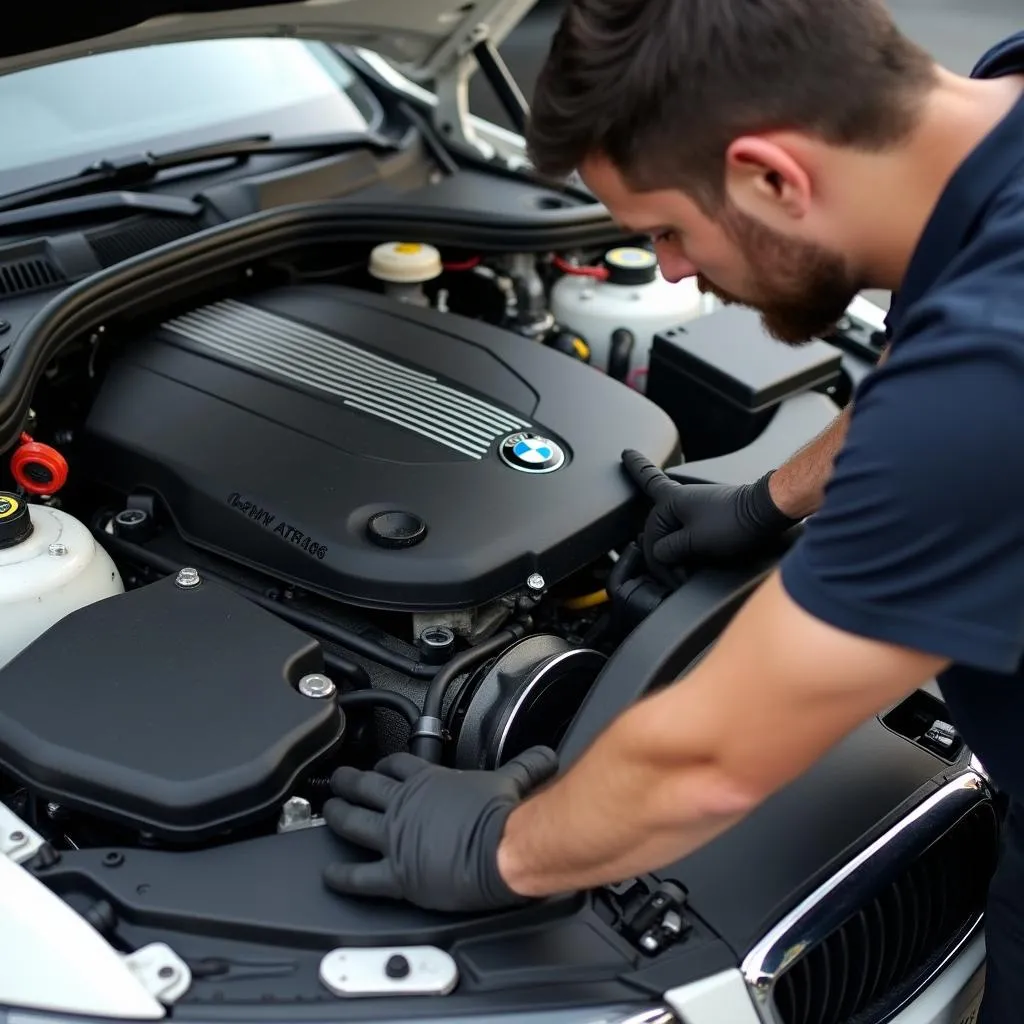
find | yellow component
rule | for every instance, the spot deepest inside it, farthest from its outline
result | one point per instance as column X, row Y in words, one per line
column 578, row 604
column 630, row 256
column 405, row 262
column 8, row 506
column 581, row 348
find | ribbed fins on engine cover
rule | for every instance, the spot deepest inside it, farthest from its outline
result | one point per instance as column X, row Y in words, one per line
column 363, row 379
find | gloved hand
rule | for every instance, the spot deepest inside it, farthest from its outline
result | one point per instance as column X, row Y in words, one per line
column 702, row 522
column 437, row 828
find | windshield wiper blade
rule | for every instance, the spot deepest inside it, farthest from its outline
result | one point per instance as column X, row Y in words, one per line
column 138, row 169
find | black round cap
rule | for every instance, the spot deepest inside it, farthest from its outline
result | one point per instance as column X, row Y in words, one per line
column 396, row 529
column 15, row 521
column 630, row 264
column 133, row 524
column 397, row 967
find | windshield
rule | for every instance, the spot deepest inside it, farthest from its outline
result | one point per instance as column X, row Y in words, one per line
column 58, row 118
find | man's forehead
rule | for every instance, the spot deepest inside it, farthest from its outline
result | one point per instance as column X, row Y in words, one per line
column 641, row 212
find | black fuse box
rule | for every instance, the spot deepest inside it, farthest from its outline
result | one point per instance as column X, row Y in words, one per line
column 722, row 377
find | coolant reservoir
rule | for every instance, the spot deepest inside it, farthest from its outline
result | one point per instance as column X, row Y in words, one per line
column 405, row 267
column 49, row 566
column 634, row 296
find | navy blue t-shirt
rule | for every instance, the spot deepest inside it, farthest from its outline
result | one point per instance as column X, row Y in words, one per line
column 920, row 539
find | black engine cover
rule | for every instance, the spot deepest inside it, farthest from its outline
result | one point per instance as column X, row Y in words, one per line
column 174, row 711
column 276, row 428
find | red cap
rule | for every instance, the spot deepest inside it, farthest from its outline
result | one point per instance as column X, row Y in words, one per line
column 38, row 468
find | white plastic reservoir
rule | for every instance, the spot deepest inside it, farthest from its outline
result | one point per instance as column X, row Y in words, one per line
column 49, row 566
column 634, row 296
column 405, row 267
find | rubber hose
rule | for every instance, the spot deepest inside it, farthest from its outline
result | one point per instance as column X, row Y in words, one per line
column 354, row 674
column 382, row 699
column 338, row 634
column 426, row 740
column 619, row 353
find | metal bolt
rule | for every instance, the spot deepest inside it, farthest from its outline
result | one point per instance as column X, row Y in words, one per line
column 295, row 813
column 316, row 685
column 130, row 516
column 17, row 836
column 535, row 581
column 58, row 548
column 166, row 972
column 188, row 578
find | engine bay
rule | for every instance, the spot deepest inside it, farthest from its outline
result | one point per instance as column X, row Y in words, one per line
column 332, row 512
column 362, row 500
column 320, row 509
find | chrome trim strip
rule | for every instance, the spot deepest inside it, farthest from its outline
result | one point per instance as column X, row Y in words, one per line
column 364, row 380
column 656, row 1015
column 832, row 902
column 969, row 936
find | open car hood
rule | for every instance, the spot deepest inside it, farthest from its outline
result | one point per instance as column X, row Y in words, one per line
column 421, row 37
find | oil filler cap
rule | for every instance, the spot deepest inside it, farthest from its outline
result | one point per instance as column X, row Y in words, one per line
column 15, row 521
column 396, row 529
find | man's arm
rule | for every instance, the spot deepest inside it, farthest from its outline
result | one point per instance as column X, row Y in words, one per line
column 678, row 768
column 798, row 486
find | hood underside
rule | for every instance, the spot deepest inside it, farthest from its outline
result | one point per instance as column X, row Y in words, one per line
column 421, row 37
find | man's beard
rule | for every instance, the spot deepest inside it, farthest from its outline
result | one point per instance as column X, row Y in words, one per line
column 803, row 290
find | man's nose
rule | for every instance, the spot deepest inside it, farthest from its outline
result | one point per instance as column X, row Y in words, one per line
column 676, row 268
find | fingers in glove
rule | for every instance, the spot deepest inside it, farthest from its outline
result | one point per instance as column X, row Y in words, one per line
column 672, row 549
column 403, row 766
column 531, row 768
column 646, row 475
column 356, row 824
column 374, row 879
column 370, row 789
column 660, row 523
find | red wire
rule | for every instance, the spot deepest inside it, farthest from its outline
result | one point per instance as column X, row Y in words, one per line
column 469, row 264
column 634, row 376
column 601, row 273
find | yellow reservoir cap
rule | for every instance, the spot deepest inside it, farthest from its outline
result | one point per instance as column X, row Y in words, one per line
column 405, row 262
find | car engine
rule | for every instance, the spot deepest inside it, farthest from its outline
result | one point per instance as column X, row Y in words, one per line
column 323, row 521
column 376, row 453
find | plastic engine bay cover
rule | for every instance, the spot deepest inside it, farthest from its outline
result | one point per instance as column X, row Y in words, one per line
column 370, row 450
column 172, row 710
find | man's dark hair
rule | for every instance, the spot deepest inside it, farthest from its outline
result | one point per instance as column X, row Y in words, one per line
column 662, row 87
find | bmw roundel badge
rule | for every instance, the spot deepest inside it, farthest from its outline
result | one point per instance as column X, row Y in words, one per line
column 531, row 453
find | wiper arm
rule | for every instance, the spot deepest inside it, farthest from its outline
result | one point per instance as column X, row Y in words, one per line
column 138, row 169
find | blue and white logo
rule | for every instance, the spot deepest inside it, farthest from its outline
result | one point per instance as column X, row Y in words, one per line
column 531, row 453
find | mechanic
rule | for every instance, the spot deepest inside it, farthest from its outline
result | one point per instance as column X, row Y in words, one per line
column 792, row 153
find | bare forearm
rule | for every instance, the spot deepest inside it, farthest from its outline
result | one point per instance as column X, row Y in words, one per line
column 647, row 792
column 798, row 486
column 680, row 768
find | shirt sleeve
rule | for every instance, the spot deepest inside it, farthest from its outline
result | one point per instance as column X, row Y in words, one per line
column 920, row 539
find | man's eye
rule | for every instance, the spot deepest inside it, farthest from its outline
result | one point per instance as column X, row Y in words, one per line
column 663, row 236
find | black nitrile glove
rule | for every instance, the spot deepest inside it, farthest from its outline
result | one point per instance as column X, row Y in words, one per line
column 437, row 828
column 702, row 522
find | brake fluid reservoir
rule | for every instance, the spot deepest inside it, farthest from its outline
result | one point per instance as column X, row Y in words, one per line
column 49, row 566
column 633, row 296
column 405, row 267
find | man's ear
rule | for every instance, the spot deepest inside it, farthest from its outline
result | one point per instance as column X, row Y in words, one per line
column 764, row 177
